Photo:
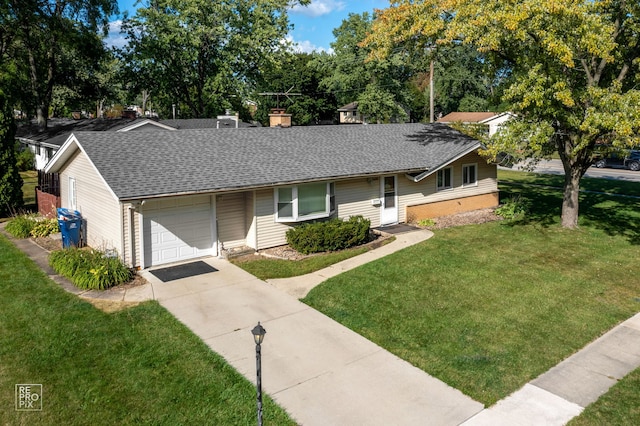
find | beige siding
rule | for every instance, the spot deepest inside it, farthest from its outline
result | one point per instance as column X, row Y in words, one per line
column 353, row 198
column 270, row 232
column 131, row 235
column 98, row 206
column 411, row 193
column 231, row 213
column 250, row 209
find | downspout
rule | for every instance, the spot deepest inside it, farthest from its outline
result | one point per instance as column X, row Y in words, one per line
column 132, row 236
column 141, row 236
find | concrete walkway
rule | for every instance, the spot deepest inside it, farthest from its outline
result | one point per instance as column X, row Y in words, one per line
column 324, row 374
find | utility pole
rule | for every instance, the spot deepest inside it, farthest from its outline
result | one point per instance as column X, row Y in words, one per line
column 431, row 114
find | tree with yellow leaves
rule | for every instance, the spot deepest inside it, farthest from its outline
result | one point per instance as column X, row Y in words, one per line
column 572, row 66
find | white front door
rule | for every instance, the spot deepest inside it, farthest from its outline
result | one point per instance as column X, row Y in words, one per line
column 389, row 197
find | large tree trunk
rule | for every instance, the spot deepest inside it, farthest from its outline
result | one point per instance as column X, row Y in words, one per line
column 570, row 198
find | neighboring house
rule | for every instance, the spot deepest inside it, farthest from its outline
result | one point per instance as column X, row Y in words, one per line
column 45, row 144
column 493, row 120
column 164, row 197
column 349, row 114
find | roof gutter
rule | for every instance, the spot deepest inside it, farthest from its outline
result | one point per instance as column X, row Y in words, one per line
column 429, row 172
column 263, row 186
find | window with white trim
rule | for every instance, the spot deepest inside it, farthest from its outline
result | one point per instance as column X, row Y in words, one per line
column 305, row 202
column 469, row 175
column 73, row 198
column 444, row 179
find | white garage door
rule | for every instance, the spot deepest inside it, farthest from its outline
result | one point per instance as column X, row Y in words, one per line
column 178, row 229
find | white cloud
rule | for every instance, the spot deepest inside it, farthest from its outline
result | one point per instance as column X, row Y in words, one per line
column 306, row 46
column 319, row 8
column 115, row 38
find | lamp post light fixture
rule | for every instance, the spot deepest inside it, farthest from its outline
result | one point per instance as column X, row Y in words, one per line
column 258, row 336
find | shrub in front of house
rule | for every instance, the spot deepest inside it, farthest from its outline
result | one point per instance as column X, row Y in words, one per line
column 89, row 269
column 45, row 227
column 514, row 209
column 31, row 225
column 331, row 235
column 21, row 226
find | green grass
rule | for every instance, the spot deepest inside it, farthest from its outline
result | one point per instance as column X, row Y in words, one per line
column 586, row 184
column 486, row 308
column 266, row 268
column 619, row 406
column 30, row 181
column 137, row 366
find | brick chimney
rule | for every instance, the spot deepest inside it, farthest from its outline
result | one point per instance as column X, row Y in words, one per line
column 278, row 118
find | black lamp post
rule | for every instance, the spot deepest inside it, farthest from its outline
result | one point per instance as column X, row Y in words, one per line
column 258, row 336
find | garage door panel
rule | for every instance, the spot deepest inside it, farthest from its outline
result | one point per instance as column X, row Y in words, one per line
column 181, row 231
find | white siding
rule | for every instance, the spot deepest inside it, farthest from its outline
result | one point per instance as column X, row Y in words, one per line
column 99, row 208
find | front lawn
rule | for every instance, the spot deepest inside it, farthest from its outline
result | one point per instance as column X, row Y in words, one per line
column 267, row 268
column 136, row 366
column 486, row 308
column 30, row 181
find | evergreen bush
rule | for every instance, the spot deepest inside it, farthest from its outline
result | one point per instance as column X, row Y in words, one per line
column 331, row 235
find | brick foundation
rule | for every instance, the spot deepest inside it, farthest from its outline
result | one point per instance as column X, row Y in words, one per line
column 449, row 207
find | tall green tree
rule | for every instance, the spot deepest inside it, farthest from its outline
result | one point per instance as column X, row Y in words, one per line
column 296, row 74
column 572, row 68
column 461, row 82
column 380, row 86
column 199, row 54
column 10, row 180
column 44, row 35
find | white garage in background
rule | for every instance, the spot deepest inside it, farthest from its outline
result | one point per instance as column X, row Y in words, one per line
column 178, row 229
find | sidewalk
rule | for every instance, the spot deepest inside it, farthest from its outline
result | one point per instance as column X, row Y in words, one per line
column 325, row 374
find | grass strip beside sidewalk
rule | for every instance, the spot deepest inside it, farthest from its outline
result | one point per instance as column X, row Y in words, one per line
column 137, row 366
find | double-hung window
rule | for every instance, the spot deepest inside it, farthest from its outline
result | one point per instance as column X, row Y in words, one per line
column 469, row 175
column 444, row 179
column 305, row 202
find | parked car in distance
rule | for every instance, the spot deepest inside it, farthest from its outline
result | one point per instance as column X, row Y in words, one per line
column 608, row 156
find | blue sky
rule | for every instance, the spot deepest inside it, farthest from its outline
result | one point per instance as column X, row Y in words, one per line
column 313, row 24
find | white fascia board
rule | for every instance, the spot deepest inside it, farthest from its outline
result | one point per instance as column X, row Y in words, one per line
column 65, row 153
column 504, row 115
column 145, row 122
column 36, row 143
column 67, row 149
column 441, row 166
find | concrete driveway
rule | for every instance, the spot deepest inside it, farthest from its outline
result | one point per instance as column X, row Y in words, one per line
column 321, row 372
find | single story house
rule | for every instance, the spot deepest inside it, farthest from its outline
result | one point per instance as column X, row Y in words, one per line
column 492, row 120
column 349, row 114
column 162, row 197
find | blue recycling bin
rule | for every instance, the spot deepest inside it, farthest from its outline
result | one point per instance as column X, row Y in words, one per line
column 69, row 222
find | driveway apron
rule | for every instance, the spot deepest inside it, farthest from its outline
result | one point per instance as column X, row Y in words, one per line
column 321, row 372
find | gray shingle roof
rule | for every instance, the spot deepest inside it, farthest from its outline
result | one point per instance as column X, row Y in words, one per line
column 137, row 165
